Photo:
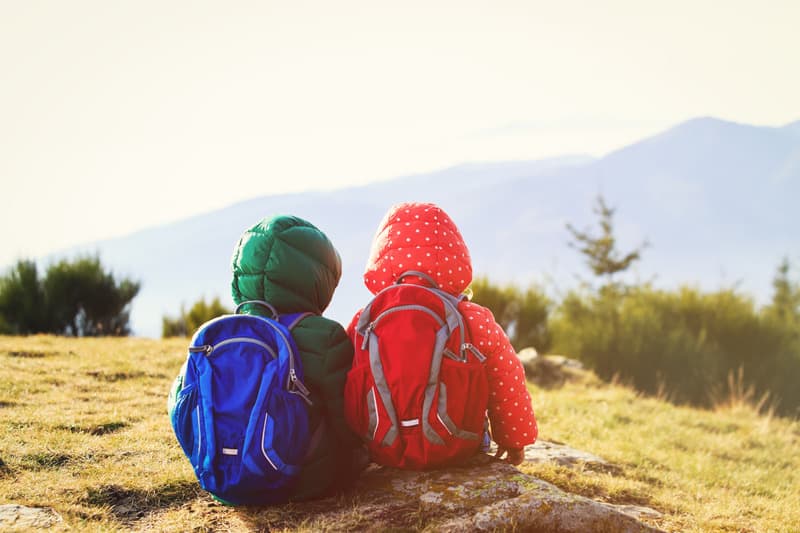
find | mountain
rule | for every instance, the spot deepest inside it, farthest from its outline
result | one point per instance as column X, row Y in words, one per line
column 714, row 199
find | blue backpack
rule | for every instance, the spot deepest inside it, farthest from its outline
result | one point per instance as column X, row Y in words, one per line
column 240, row 414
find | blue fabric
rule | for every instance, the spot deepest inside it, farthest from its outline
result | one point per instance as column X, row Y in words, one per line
column 486, row 441
column 243, row 429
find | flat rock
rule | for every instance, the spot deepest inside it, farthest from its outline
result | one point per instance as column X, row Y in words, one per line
column 20, row 518
column 484, row 494
column 549, row 371
column 488, row 494
column 551, row 452
column 527, row 355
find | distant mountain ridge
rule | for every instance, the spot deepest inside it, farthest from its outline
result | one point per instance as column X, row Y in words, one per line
column 716, row 200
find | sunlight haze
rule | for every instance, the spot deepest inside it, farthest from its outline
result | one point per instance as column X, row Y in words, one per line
column 116, row 116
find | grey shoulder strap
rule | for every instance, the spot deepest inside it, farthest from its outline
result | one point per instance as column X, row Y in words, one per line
column 417, row 273
column 262, row 303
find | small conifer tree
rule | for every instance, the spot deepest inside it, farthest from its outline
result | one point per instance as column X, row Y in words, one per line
column 602, row 255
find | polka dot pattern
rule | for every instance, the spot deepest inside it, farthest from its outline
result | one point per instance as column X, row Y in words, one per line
column 422, row 237
column 510, row 410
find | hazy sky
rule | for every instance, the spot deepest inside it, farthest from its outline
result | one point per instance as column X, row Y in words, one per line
column 116, row 116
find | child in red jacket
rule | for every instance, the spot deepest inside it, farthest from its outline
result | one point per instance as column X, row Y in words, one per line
column 420, row 237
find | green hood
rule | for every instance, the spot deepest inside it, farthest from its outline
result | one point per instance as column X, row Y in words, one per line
column 287, row 262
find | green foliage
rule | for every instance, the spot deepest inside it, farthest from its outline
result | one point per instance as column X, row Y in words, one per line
column 601, row 252
column 76, row 298
column 521, row 314
column 785, row 305
column 86, row 300
column 683, row 343
column 22, row 300
column 187, row 322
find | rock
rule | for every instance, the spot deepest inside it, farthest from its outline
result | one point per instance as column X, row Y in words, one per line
column 549, row 371
column 482, row 494
column 637, row 511
column 20, row 518
column 551, row 452
column 488, row 494
column 555, row 452
column 543, row 507
column 527, row 354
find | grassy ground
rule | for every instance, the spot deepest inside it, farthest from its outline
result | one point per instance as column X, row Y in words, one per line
column 83, row 429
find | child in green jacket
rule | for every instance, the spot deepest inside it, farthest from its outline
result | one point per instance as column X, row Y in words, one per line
column 289, row 263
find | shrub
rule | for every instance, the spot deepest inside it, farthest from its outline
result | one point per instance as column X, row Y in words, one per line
column 187, row 322
column 522, row 314
column 78, row 298
column 683, row 342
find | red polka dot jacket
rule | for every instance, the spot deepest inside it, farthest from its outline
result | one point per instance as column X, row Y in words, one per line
column 422, row 237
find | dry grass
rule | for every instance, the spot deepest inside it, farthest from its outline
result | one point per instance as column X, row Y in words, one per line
column 731, row 469
column 83, row 429
column 738, row 395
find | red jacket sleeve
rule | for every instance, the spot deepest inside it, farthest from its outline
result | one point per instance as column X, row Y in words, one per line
column 510, row 409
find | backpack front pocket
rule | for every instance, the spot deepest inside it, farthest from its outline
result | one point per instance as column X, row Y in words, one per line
column 360, row 401
column 461, row 399
column 186, row 422
column 277, row 437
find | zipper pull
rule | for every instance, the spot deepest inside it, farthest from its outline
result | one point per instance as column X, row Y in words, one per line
column 473, row 350
column 206, row 349
column 366, row 335
column 297, row 383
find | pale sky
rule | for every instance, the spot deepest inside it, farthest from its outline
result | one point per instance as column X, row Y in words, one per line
column 115, row 116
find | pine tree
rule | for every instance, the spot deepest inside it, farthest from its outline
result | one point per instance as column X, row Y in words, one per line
column 602, row 255
column 785, row 305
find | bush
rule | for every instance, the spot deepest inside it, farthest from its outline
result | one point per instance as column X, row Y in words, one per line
column 77, row 298
column 522, row 315
column 22, row 300
column 682, row 342
column 85, row 300
column 188, row 322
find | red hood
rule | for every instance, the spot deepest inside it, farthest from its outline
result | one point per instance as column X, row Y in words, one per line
column 422, row 237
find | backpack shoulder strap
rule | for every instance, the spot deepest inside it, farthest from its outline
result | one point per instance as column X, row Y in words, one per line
column 292, row 319
column 262, row 303
column 418, row 274
column 451, row 304
column 453, row 316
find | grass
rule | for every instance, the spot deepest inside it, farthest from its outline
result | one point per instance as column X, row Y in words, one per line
column 731, row 469
column 83, row 429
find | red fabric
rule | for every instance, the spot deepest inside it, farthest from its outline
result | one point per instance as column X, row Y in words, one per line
column 422, row 237
column 406, row 370
column 419, row 237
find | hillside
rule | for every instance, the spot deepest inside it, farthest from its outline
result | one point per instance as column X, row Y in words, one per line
column 714, row 199
column 84, row 432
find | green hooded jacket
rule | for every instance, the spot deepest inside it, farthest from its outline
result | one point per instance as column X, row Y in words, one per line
column 291, row 264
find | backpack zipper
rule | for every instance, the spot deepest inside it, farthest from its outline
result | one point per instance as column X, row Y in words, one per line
column 415, row 307
column 475, row 352
column 264, row 436
column 409, row 307
column 298, row 383
column 209, row 348
column 199, row 430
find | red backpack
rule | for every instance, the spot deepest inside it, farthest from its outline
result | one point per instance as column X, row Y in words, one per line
column 417, row 391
